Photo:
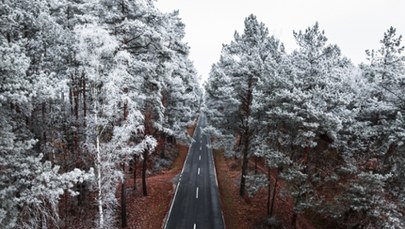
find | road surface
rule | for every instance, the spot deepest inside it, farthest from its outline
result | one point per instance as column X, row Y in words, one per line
column 196, row 203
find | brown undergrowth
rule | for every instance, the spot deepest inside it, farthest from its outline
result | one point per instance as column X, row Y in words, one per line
column 250, row 212
column 150, row 211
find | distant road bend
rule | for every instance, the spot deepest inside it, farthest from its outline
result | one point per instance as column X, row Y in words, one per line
column 196, row 203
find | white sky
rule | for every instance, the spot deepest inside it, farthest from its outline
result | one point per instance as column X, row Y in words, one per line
column 354, row 25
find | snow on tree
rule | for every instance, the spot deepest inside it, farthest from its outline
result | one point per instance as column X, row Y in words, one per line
column 30, row 186
column 310, row 113
column 136, row 26
column 181, row 92
column 110, row 134
column 220, row 107
column 374, row 140
column 77, row 80
column 243, row 61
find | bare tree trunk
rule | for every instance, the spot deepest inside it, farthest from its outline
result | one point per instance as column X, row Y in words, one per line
column 163, row 141
column 244, row 166
column 71, row 96
column 256, row 165
column 98, row 167
column 273, row 198
column 65, row 200
column 99, row 195
column 124, row 222
column 294, row 220
column 76, row 100
column 245, row 115
column 134, row 164
column 75, row 109
column 84, row 97
column 144, row 167
column 8, row 36
column 268, row 191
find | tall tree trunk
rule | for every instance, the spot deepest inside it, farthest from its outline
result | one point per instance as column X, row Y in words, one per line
column 98, row 166
column 162, row 137
column 44, row 123
column 99, row 186
column 66, row 208
column 245, row 115
column 75, row 109
column 268, row 191
column 76, row 101
column 256, row 165
column 134, row 165
column 144, row 167
column 71, row 97
column 274, row 194
column 294, row 220
column 8, row 37
column 244, row 166
column 124, row 222
column 84, row 97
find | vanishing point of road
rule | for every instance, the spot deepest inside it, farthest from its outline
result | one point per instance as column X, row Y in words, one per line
column 196, row 202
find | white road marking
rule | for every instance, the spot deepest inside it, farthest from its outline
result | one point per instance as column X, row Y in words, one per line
column 177, row 186
column 200, row 147
column 199, row 158
column 195, row 226
column 198, row 171
column 196, row 194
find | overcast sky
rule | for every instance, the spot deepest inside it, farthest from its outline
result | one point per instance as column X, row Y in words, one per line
column 354, row 25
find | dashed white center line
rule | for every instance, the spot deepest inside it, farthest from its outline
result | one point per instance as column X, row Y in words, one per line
column 196, row 194
column 200, row 147
column 199, row 158
column 195, row 226
column 198, row 171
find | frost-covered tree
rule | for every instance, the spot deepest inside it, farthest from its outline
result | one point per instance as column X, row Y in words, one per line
column 221, row 108
column 181, row 98
column 333, row 132
column 373, row 142
column 181, row 91
column 30, row 185
column 136, row 26
column 77, row 80
column 314, row 110
column 116, row 120
column 302, row 104
column 243, row 62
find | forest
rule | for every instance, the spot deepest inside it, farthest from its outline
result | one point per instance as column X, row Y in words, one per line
column 92, row 91
column 88, row 91
column 331, row 132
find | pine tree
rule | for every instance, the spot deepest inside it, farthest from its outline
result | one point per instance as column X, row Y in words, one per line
column 243, row 61
column 30, row 184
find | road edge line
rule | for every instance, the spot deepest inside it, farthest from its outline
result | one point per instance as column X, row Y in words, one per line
column 216, row 179
column 166, row 219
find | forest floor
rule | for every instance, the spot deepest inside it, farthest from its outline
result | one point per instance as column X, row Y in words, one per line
column 250, row 212
column 150, row 211
column 238, row 212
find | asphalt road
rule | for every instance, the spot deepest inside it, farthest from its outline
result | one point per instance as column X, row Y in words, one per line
column 196, row 202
